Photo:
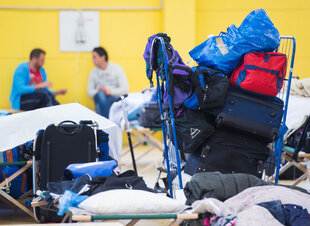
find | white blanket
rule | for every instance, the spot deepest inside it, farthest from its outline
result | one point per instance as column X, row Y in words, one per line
column 244, row 206
column 298, row 110
column 132, row 102
column 300, row 87
column 21, row 127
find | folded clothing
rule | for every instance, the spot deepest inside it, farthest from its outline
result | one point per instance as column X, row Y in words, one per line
column 287, row 214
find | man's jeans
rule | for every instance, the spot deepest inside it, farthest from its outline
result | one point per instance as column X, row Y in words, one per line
column 38, row 99
column 103, row 103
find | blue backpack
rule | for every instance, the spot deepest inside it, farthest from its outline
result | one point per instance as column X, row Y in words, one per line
column 211, row 88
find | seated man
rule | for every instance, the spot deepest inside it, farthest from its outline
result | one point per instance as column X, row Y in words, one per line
column 30, row 86
column 107, row 81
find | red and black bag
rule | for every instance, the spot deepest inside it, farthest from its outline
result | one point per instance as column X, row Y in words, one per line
column 261, row 73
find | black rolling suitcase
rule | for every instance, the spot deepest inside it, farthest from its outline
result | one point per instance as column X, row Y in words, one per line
column 253, row 113
column 229, row 151
column 55, row 148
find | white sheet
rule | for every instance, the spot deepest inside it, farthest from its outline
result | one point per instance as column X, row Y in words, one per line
column 21, row 127
column 298, row 109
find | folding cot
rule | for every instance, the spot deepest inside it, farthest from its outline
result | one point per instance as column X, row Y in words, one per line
column 22, row 127
column 6, row 184
column 146, row 136
column 294, row 152
column 177, row 218
column 143, row 136
column 302, row 163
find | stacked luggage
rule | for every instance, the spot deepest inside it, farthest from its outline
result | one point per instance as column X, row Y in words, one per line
column 251, row 114
column 230, row 113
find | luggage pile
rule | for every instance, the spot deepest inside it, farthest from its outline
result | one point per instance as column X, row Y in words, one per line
column 226, row 110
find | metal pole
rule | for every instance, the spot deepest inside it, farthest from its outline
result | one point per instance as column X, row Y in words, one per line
column 171, row 111
column 283, row 127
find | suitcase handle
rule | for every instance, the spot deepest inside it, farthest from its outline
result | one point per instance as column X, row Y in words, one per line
column 66, row 122
column 78, row 127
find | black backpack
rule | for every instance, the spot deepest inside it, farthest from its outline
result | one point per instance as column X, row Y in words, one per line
column 192, row 129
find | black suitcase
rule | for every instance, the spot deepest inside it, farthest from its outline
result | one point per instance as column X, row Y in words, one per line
column 229, row 151
column 55, row 148
column 63, row 145
column 253, row 113
column 149, row 116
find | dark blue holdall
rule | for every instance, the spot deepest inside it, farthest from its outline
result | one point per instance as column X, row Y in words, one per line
column 211, row 87
column 253, row 113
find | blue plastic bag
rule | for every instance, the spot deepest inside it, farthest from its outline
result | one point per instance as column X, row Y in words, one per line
column 69, row 199
column 93, row 169
column 256, row 33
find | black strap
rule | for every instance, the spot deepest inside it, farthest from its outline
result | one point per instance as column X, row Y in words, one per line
column 166, row 38
column 171, row 86
column 48, row 159
column 195, row 79
column 101, row 154
column 184, row 68
column 208, row 71
column 303, row 138
column 150, row 77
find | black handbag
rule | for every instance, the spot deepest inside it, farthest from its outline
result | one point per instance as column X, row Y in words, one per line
column 126, row 180
column 192, row 129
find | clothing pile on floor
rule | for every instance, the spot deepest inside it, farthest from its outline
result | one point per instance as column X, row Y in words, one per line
column 219, row 199
column 243, row 199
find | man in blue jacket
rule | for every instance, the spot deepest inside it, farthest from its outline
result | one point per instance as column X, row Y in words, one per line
column 30, row 89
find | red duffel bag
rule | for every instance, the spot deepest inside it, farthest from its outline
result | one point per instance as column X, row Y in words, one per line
column 261, row 73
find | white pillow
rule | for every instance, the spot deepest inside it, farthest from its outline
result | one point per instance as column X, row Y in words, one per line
column 122, row 201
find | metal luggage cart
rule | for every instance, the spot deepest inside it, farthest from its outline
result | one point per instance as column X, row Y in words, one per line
column 171, row 152
column 288, row 47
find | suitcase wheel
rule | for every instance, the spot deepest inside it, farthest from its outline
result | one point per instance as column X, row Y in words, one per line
column 219, row 121
column 274, row 137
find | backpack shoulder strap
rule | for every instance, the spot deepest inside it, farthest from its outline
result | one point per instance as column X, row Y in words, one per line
column 202, row 69
column 303, row 138
column 183, row 67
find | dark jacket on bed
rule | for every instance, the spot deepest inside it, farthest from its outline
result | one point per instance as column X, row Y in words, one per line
column 221, row 186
